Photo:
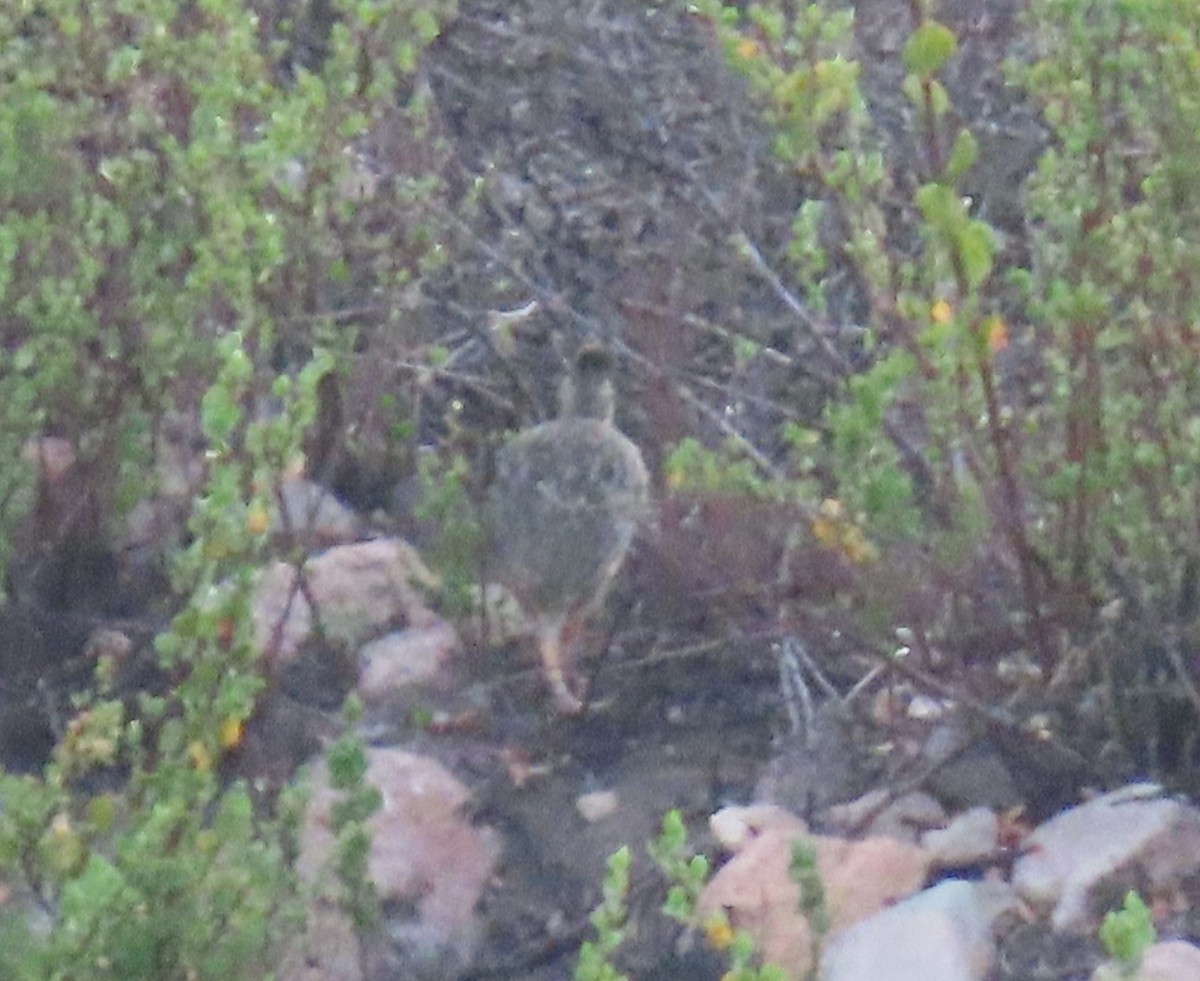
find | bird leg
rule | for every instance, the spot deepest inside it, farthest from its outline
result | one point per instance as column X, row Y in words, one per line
column 555, row 646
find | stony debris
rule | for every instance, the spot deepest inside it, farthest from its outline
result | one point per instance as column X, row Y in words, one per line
column 879, row 812
column 1125, row 839
column 943, row 933
column 1170, row 961
column 969, row 839
column 311, row 514
column 425, row 857
column 597, row 805
column 361, row 591
column 758, row 895
column 401, row 659
column 966, row 771
column 885, row 925
column 737, row 827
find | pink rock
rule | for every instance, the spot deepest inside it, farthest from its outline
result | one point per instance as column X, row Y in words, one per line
column 1074, row 853
column 313, row 515
column 403, row 658
column 52, row 455
column 361, row 591
column 943, row 933
column 1171, row 961
column 328, row 950
column 756, row 892
column 736, row 826
column 971, row 837
column 422, row 851
column 1174, row 960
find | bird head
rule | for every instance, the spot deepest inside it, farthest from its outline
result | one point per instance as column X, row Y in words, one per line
column 587, row 392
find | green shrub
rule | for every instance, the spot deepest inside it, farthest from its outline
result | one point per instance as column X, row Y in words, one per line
column 685, row 874
column 1083, row 481
column 184, row 222
column 172, row 875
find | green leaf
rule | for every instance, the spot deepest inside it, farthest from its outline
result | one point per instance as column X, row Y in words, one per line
column 98, row 888
column 426, row 25
column 940, row 206
column 963, row 155
column 347, row 764
column 616, row 879
column 674, row 833
column 678, row 905
column 939, row 98
column 912, row 89
column 1112, row 337
column 929, row 47
column 1127, row 932
column 975, row 251
column 22, row 954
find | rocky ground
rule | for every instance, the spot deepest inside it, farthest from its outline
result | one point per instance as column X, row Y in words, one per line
column 501, row 816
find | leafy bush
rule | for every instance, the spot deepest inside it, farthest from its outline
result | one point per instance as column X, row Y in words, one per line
column 685, row 874
column 187, row 208
column 1080, row 486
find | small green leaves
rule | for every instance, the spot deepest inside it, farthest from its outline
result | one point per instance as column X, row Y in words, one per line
column 686, row 876
column 976, row 247
column 1127, row 932
column 970, row 243
column 616, row 880
column 693, row 467
column 929, row 48
column 927, row 93
column 608, row 919
column 962, row 157
column 804, row 872
column 359, row 800
column 685, row 872
column 940, row 206
column 347, row 764
column 458, row 546
column 149, row 260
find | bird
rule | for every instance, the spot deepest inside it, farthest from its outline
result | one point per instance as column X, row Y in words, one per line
column 566, row 500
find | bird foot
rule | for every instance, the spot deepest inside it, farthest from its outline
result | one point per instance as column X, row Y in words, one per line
column 555, row 647
column 566, row 702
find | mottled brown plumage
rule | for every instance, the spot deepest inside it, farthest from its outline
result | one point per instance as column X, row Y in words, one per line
column 567, row 498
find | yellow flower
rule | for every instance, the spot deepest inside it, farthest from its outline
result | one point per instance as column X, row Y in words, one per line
column 941, row 312
column 717, row 931
column 856, row 547
column 747, row 48
column 231, row 732
column 199, row 756
column 215, row 551
column 62, row 847
column 832, row 529
column 827, row 525
column 996, row 332
column 257, row 519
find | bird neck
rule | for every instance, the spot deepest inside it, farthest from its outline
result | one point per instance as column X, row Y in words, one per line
column 588, row 395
